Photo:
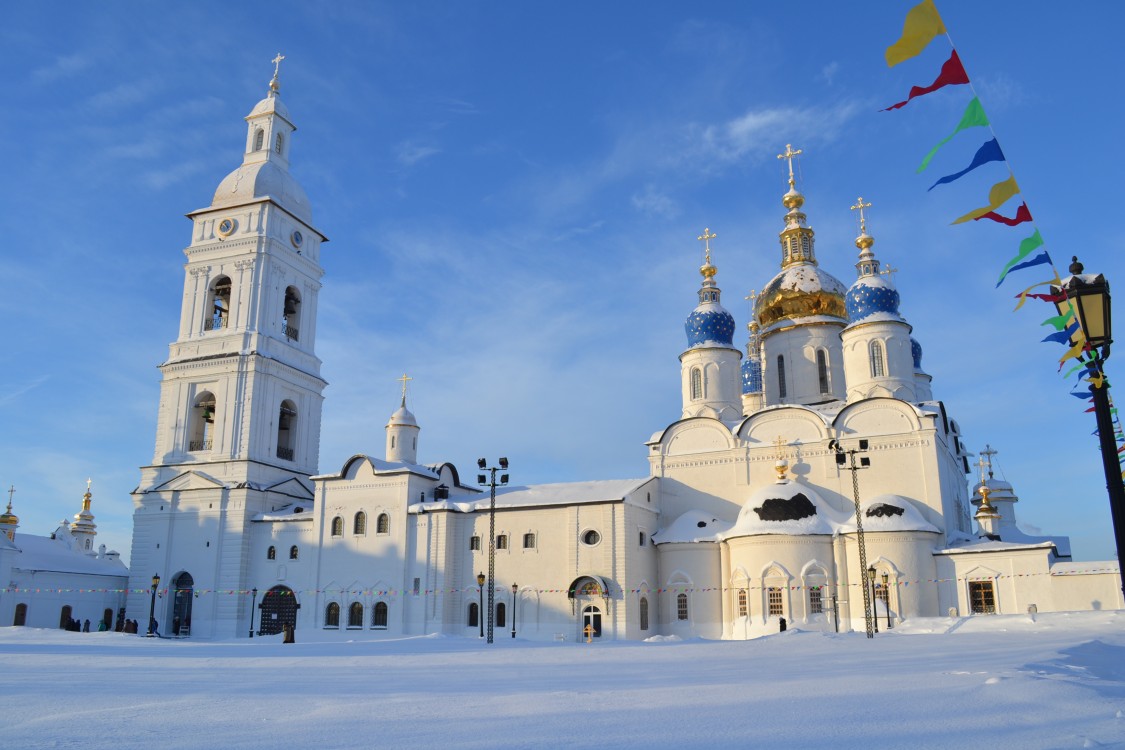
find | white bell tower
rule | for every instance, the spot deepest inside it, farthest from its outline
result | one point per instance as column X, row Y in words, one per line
column 238, row 426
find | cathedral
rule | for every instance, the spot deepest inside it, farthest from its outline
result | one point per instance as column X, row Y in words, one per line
column 812, row 480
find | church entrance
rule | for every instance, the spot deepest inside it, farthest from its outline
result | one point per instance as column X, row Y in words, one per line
column 592, row 617
column 182, row 585
column 279, row 607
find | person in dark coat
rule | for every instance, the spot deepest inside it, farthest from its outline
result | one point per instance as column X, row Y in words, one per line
column 289, row 636
column 781, row 624
column 86, row 626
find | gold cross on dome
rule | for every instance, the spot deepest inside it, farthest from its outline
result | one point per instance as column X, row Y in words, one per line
column 789, row 154
column 859, row 206
column 889, row 272
column 989, row 452
column 405, row 379
column 11, row 491
column 277, row 63
column 780, row 443
column 981, row 464
column 706, row 238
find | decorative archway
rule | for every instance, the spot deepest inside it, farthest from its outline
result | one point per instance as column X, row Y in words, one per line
column 279, row 606
column 584, row 593
column 182, row 588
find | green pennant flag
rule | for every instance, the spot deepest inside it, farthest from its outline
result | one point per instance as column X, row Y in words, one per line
column 1060, row 322
column 1026, row 246
column 974, row 117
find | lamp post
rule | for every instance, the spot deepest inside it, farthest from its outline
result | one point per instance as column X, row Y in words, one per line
column 253, row 600
column 874, row 609
column 515, row 588
column 490, row 480
column 846, row 458
column 887, row 597
column 1086, row 296
column 152, row 607
column 480, row 607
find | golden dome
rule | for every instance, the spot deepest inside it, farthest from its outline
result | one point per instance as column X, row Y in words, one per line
column 9, row 518
column 792, row 200
column 800, row 291
column 708, row 271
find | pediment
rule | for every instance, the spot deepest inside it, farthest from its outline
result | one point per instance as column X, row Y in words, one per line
column 190, row 480
column 292, row 487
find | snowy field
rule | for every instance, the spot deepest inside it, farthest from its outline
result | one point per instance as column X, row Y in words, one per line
column 995, row 682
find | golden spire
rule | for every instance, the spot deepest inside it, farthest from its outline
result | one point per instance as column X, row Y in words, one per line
column 789, row 154
column 275, row 86
column 707, row 269
column 405, row 379
column 864, row 241
column 781, row 466
column 86, row 498
column 986, row 509
column 10, row 518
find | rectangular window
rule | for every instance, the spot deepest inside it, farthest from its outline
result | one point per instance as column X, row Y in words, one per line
column 474, row 543
column 743, row 604
column 982, row 598
column 774, row 601
column 641, row 539
column 681, row 607
column 502, row 541
column 529, row 541
column 816, row 600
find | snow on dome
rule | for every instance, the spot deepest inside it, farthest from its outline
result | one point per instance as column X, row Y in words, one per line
column 403, row 416
column 785, row 507
column 261, row 180
column 869, row 296
column 271, row 105
column 800, row 291
column 751, row 375
column 709, row 324
column 693, row 526
column 889, row 513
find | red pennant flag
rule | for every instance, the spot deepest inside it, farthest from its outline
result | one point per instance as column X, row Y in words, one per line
column 1023, row 214
column 952, row 74
column 1048, row 297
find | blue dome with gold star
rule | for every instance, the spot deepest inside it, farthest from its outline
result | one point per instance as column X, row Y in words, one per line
column 751, row 375
column 709, row 324
column 872, row 298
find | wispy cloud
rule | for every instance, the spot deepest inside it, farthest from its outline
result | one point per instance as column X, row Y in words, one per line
column 62, row 67
column 8, row 398
column 756, row 131
column 122, row 95
column 162, row 178
column 410, row 153
column 652, row 201
column 829, row 71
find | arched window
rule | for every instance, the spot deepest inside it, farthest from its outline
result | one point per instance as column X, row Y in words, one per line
column 337, row 526
column 681, row 607
column 743, row 604
column 502, row 541
column 529, row 541
column 379, row 616
column 822, row 370
column 278, row 143
column 816, row 600
column 355, row 615
column 781, row 392
column 474, row 615
column 696, row 384
column 644, row 613
column 878, row 369
column 271, row 553
column 218, row 305
column 383, row 524
column 286, row 430
column 293, row 552
column 259, row 139
column 21, row 616
column 359, row 526
column 291, row 314
column 202, row 422
column 332, row 615
column 773, row 600
column 501, row 614
column 474, row 543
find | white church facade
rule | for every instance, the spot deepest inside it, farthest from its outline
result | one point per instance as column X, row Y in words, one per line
column 748, row 515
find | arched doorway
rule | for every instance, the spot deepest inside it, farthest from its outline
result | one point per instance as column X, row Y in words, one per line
column 182, row 586
column 65, row 617
column 592, row 617
column 21, row 615
column 584, row 591
column 279, row 606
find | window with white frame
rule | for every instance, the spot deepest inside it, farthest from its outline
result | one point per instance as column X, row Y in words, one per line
column 773, row 600
column 822, row 371
column 332, row 615
column 644, row 613
column 878, row 366
column 355, row 615
column 696, row 384
column 816, row 600
column 781, row 390
column 474, row 543
column 681, row 607
column 379, row 616
column 529, row 541
column 743, row 604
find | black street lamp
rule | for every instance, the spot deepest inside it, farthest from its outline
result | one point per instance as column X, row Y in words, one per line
column 1087, row 297
column 253, row 600
column 515, row 588
column 152, row 607
column 887, row 597
column 846, row 459
column 490, row 480
column 480, row 608
column 874, row 609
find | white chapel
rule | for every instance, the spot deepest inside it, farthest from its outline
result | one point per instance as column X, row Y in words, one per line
column 811, row 477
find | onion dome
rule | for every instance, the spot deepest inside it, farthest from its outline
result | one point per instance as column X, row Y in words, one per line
column 784, row 507
column 84, row 519
column 709, row 324
column 872, row 297
column 8, row 517
column 752, row 365
column 916, row 353
column 802, row 289
column 889, row 513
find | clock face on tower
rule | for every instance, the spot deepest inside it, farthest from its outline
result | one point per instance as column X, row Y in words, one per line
column 297, row 239
column 226, row 227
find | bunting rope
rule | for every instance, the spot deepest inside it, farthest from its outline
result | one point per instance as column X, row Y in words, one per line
column 922, row 25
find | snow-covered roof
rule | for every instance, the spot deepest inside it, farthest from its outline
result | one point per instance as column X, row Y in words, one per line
column 889, row 513
column 301, row 511
column 1085, row 568
column 42, row 553
column 784, row 507
column 563, row 493
column 693, row 526
column 379, row 466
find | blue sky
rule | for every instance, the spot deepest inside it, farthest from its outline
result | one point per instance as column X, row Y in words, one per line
column 513, row 192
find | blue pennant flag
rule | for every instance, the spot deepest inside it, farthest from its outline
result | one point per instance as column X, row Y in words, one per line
column 1061, row 337
column 990, row 151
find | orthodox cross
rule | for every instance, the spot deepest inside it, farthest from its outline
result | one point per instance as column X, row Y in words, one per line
column 789, row 154
column 11, row 491
column 277, row 63
column 752, row 297
column 405, row 379
column 780, row 443
column 859, row 206
column 988, row 451
column 88, row 483
column 706, row 238
column 889, row 272
column 981, row 464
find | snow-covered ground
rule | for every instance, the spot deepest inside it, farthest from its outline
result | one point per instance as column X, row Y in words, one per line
column 995, row 682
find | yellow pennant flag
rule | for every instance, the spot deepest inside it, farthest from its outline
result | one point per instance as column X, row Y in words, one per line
column 1023, row 295
column 997, row 196
column 922, row 24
